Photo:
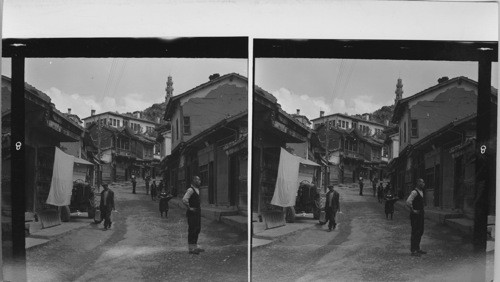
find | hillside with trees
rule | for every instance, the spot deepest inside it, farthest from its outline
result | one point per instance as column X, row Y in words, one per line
column 154, row 112
column 382, row 114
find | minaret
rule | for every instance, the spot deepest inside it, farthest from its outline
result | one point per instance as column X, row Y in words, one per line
column 399, row 90
column 169, row 89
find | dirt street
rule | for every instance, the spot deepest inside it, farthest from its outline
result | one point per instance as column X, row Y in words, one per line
column 367, row 247
column 141, row 246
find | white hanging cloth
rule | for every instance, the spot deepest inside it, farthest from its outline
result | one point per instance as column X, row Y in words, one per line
column 61, row 185
column 285, row 191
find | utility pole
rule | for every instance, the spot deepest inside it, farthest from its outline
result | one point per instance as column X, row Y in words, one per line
column 99, row 171
column 327, row 172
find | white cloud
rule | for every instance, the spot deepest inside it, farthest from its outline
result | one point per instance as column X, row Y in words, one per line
column 311, row 106
column 82, row 105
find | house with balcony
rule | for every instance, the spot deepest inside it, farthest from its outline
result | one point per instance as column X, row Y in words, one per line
column 123, row 152
column 114, row 119
column 344, row 121
column 352, row 154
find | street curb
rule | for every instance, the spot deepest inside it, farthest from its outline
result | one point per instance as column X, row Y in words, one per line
column 53, row 237
column 274, row 239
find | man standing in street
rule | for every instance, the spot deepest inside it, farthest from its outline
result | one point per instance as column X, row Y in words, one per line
column 360, row 186
column 134, row 182
column 332, row 206
column 107, row 205
column 416, row 203
column 374, row 186
column 192, row 201
column 147, row 179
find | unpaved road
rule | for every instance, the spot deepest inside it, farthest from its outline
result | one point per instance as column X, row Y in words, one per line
column 141, row 246
column 367, row 247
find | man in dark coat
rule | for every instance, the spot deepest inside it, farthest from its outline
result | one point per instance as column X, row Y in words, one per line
column 360, row 182
column 416, row 203
column 192, row 201
column 332, row 206
column 134, row 183
column 390, row 200
column 164, row 198
column 146, row 180
column 107, row 205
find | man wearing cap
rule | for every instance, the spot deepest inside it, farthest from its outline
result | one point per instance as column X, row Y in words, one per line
column 192, row 201
column 107, row 205
column 332, row 206
column 416, row 203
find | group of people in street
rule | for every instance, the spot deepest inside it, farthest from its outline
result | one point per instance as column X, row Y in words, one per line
column 415, row 202
column 191, row 200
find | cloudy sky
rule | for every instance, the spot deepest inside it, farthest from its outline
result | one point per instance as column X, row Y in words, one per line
column 118, row 84
column 351, row 86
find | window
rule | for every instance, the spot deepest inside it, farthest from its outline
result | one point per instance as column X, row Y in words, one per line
column 343, row 124
column 118, row 123
column 404, row 132
column 187, row 125
column 204, row 175
column 177, row 128
column 354, row 125
column 114, row 122
column 414, row 128
column 123, row 144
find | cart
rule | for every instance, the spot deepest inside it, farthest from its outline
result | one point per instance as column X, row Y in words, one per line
column 83, row 198
column 308, row 199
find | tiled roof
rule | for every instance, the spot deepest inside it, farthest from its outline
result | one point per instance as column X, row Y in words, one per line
column 126, row 116
column 32, row 90
column 350, row 117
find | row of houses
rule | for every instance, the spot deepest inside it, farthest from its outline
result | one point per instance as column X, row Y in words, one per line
column 206, row 134
column 432, row 135
column 102, row 151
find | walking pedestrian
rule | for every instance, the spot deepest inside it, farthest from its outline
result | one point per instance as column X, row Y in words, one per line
column 360, row 182
column 416, row 203
column 374, row 186
column 134, row 182
column 390, row 200
column 153, row 186
column 164, row 198
column 380, row 192
column 147, row 179
column 332, row 206
column 192, row 201
column 154, row 190
column 106, row 205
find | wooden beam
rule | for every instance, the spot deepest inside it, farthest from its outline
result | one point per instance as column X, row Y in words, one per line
column 18, row 180
column 484, row 161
